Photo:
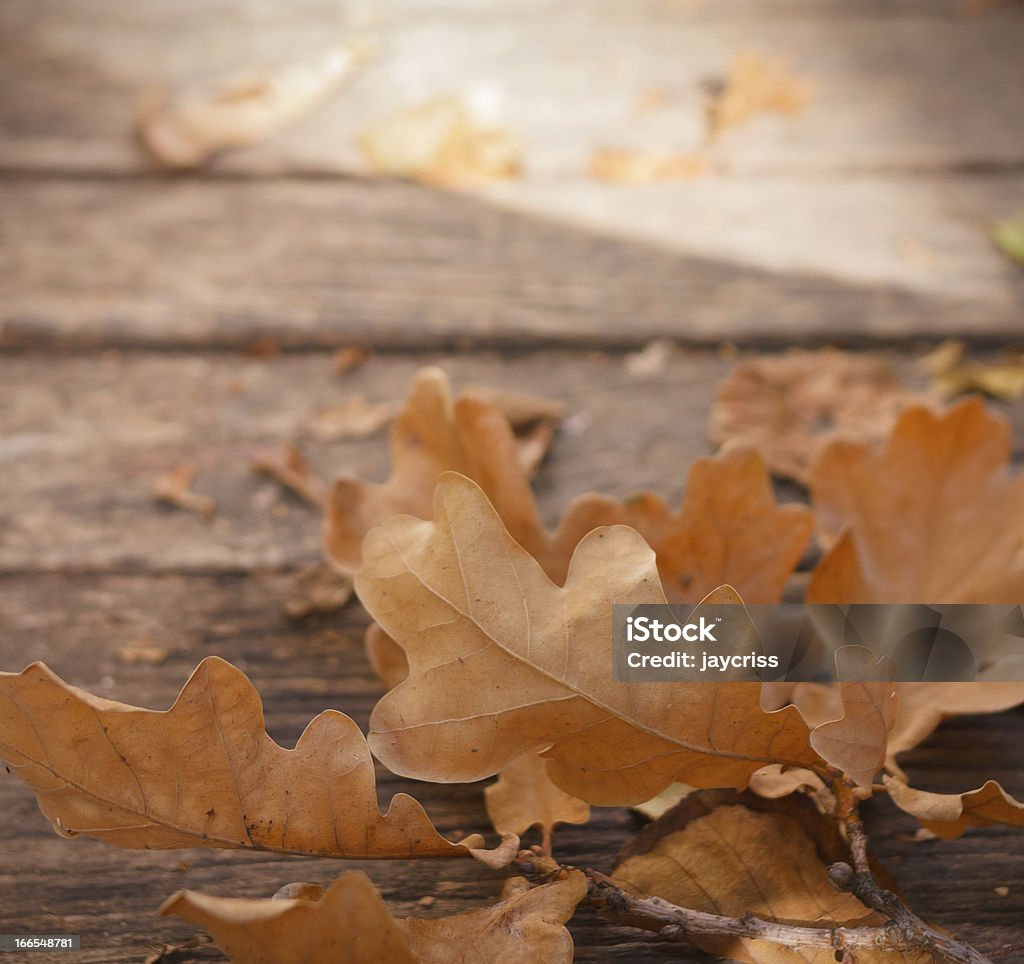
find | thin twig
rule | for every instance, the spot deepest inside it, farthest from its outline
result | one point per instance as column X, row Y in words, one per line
column 678, row 923
column 902, row 931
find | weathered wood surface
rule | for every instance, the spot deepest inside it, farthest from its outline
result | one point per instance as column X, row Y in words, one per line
column 85, row 437
column 201, row 263
column 879, row 195
column 864, row 219
column 900, row 85
column 78, row 624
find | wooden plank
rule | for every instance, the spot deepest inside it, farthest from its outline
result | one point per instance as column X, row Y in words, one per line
column 903, row 84
column 200, row 263
column 79, row 623
column 86, row 436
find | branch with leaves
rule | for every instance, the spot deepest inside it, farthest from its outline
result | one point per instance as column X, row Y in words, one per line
column 494, row 636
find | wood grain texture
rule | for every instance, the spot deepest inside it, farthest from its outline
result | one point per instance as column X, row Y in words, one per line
column 834, row 224
column 899, row 85
column 85, row 437
column 194, row 263
column 79, row 623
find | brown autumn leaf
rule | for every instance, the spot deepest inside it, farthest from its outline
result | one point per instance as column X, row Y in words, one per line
column 923, row 706
column 643, row 167
column 857, row 741
column 291, row 468
column 932, row 515
column 385, row 655
column 788, row 405
column 350, row 924
column 948, row 815
column 441, row 142
column 503, row 661
column 524, row 797
column 952, row 374
column 757, row 84
column 756, row 857
column 190, row 129
column 317, row 591
column 204, row 773
column 435, row 433
column 728, row 529
column 354, row 418
column 175, row 488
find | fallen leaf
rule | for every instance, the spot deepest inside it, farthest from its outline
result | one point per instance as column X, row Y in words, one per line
column 764, row 858
column 175, row 488
column 941, row 481
column 643, row 167
column 951, row 374
column 503, row 661
column 522, row 409
column 1009, row 238
column 142, row 651
column 203, row 773
column 299, row 890
column 349, row 359
column 386, row 657
column 317, row 591
column 774, row 781
column 923, row 706
column 350, row 924
column 356, row 418
column 856, row 743
column 291, row 469
column 663, row 802
column 190, row 129
column 789, row 405
column 728, row 529
column 441, row 142
column 650, row 360
column 525, row 797
column 757, row 84
column 948, row 815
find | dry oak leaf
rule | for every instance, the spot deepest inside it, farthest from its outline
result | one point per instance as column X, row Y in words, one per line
column 350, row 924
column 435, row 433
column 204, row 773
column 441, row 142
column 948, row 815
column 524, row 797
column 736, row 860
column 643, row 167
column 788, row 405
column 503, row 661
column 933, row 514
column 757, row 84
column 727, row 530
column 189, row 130
column 856, row 742
column 920, row 707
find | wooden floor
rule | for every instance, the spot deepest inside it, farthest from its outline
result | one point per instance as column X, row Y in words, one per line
column 131, row 298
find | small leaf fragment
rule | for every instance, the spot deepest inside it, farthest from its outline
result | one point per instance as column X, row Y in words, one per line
column 948, row 815
column 350, row 924
column 524, row 796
